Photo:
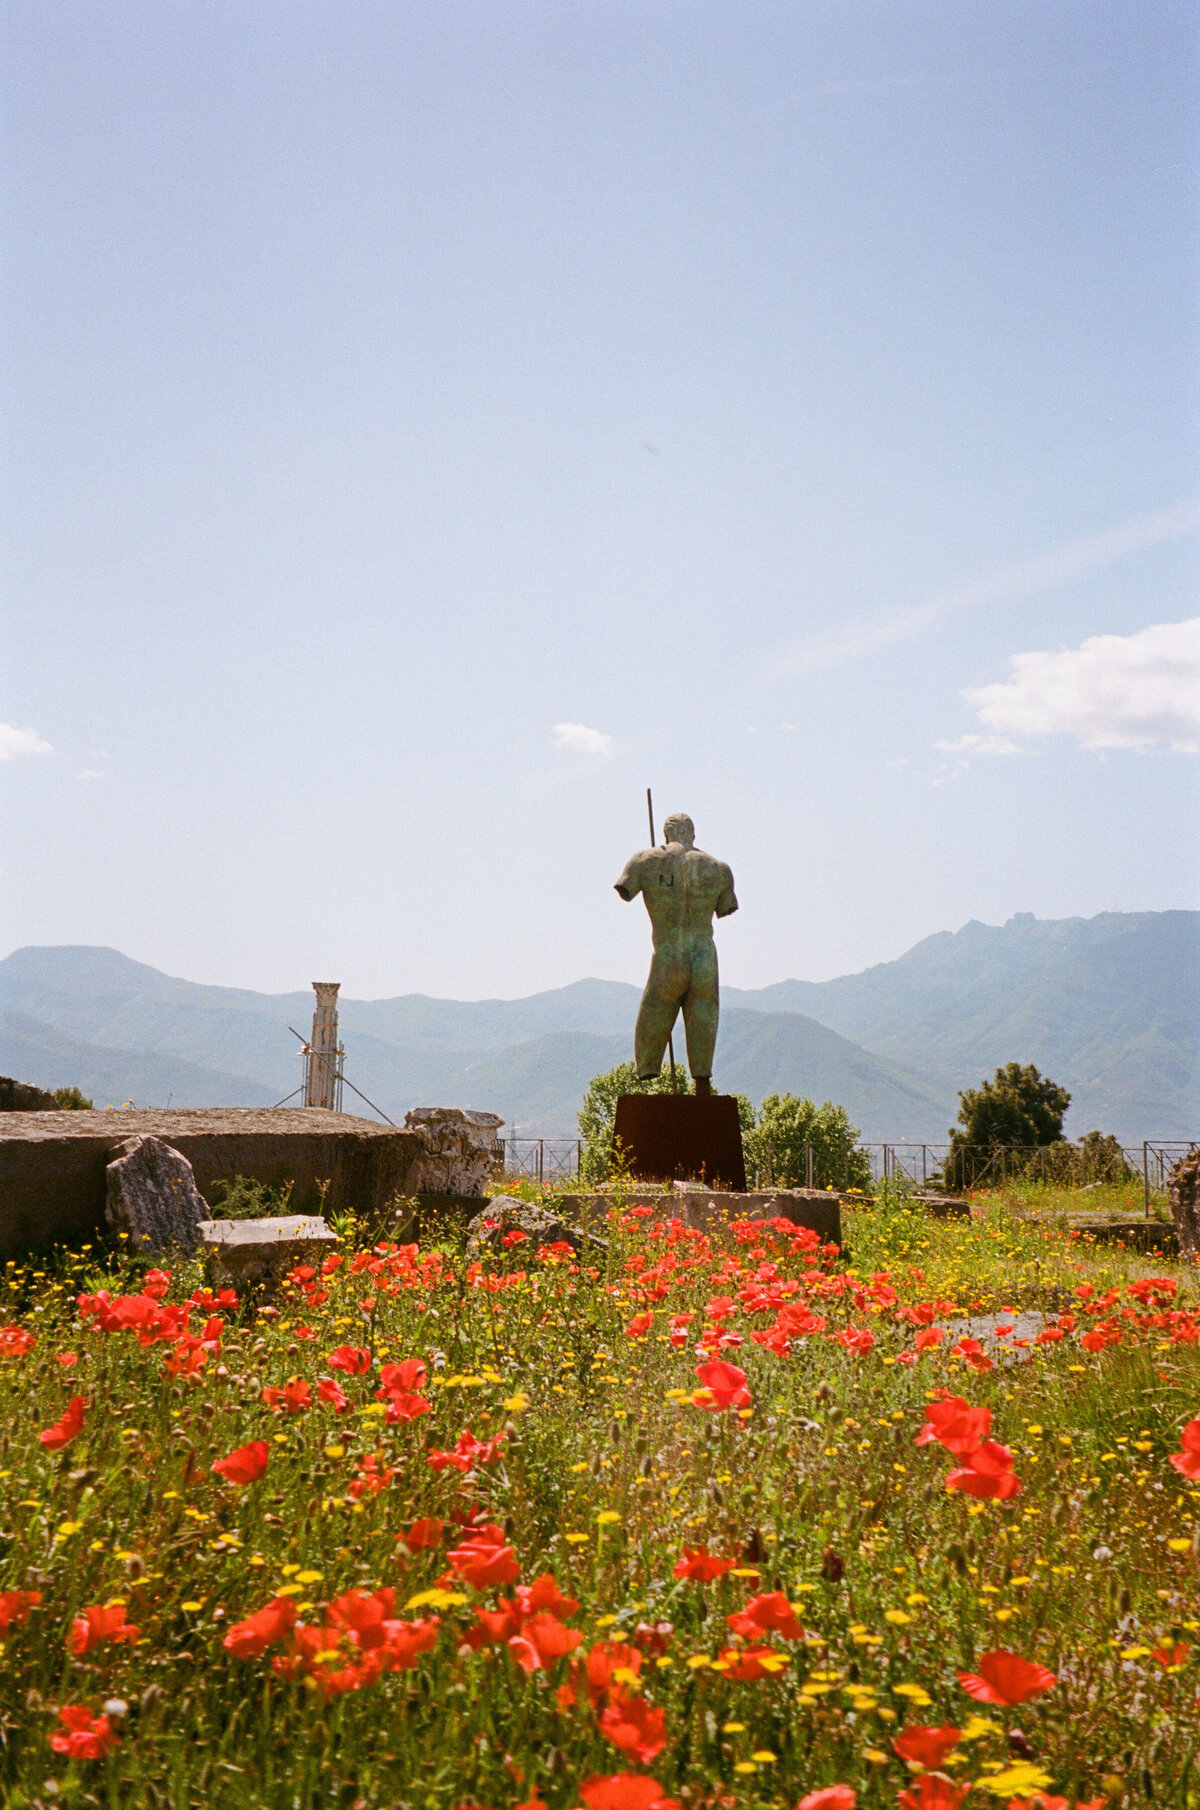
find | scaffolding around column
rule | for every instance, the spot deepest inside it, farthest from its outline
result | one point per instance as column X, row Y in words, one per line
column 324, row 1056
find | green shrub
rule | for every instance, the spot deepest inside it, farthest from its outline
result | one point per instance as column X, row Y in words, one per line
column 72, row 1099
column 241, row 1197
column 788, row 1128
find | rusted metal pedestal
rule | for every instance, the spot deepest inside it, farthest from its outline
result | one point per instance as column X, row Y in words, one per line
column 681, row 1137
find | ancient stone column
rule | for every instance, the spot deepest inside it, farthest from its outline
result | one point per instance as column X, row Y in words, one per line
column 324, row 1065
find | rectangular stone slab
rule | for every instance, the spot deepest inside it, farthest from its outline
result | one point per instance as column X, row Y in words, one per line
column 241, row 1253
column 710, row 1209
column 52, row 1164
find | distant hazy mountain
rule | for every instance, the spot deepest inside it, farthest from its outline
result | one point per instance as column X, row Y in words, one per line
column 1109, row 1006
column 110, row 1077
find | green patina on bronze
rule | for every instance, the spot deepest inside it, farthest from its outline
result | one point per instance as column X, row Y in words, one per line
column 684, row 889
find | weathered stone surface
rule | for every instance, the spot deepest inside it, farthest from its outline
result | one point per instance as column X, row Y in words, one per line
column 943, row 1206
column 52, row 1164
column 257, row 1253
column 502, row 1215
column 1183, row 1192
column 708, row 1210
column 458, row 1149
column 22, row 1096
column 153, row 1197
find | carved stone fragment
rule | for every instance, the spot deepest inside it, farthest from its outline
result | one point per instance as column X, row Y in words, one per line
column 152, row 1197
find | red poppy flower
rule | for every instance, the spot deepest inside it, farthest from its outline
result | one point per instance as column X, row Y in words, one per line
column 771, row 1614
column 64, row 1431
column 701, row 1565
column 15, row 1341
column 724, row 1386
column 483, row 1561
column 467, row 1453
column 933, row 1791
column 247, row 1464
column 1005, row 1677
column 605, row 1658
column 364, row 1614
column 15, row 1606
column 928, row 1337
column 856, row 1338
column 82, row 1736
column 747, row 1663
column 625, row 1791
column 927, row 1747
column 955, row 1424
column 831, row 1797
column 98, row 1627
column 544, row 1593
column 350, row 1358
column 1173, row 1654
column 542, row 1640
column 333, row 1393
column 639, row 1326
column 293, row 1398
column 250, row 1638
column 516, row 1236
column 402, row 1379
column 634, row 1726
column 972, row 1354
column 425, row 1532
column 371, row 1476
column 986, row 1472
column 403, row 1408
column 1187, row 1461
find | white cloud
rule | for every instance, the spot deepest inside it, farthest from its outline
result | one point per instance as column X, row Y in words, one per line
column 15, row 742
column 1011, row 583
column 979, row 744
column 90, row 773
column 1113, row 691
column 577, row 738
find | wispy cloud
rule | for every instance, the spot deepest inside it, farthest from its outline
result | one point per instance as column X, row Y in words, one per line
column 577, row 738
column 979, row 744
column 1113, row 691
column 15, row 742
column 1008, row 584
column 90, row 773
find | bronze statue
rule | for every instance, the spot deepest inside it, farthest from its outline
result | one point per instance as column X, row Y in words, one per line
column 683, row 887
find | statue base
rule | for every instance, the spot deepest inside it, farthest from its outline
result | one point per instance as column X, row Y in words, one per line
column 682, row 1137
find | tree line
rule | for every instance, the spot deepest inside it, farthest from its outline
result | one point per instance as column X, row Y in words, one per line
column 791, row 1142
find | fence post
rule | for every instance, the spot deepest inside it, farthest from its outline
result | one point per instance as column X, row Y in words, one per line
column 808, row 1165
column 1146, row 1175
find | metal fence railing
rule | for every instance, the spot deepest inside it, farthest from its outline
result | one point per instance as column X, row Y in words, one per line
column 540, row 1159
column 1070, row 1165
column 556, row 1159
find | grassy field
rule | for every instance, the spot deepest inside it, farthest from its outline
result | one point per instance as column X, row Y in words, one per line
column 711, row 1523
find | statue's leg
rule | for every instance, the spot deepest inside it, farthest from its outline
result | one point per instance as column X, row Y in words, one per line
column 700, row 1010
column 656, row 1014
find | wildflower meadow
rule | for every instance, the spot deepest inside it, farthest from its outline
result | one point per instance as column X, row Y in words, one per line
column 687, row 1518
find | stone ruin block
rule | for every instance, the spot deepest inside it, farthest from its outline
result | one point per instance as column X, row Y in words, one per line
column 458, row 1150
column 1183, row 1192
column 248, row 1254
column 152, row 1197
column 505, row 1214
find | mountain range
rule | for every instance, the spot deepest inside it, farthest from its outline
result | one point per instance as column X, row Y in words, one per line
column 1108, row 1006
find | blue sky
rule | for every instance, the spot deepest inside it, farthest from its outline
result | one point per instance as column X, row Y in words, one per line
column 428, row 427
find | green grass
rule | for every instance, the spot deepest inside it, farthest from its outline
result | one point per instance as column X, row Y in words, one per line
column 605, row 1471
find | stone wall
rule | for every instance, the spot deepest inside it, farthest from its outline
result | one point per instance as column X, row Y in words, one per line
column 53, row 1164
